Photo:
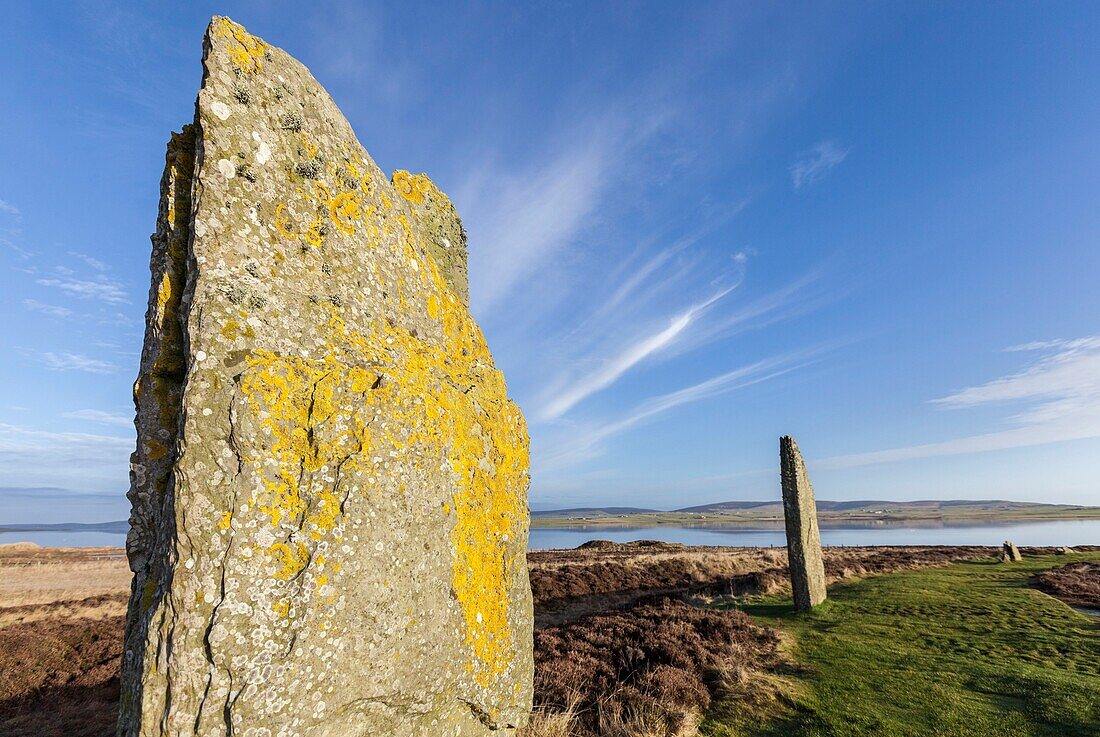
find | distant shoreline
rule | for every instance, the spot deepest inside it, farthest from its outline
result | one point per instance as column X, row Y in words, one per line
column 118, row 527
column 744, row 515
column 943, row 517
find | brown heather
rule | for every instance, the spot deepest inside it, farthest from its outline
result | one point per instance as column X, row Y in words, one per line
column 647, row 668
column 1077, row 584
column 60, row 677
column 651, row 669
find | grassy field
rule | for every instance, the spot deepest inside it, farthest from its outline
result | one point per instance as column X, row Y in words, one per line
column 925, row 647
column 970, row 649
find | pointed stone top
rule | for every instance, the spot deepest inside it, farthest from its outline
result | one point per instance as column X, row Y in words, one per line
column 791, row 462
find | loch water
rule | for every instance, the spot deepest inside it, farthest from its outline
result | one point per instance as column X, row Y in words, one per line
column 1059, row 532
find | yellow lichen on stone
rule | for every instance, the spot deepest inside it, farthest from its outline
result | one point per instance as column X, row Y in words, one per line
column 320, row 413
column 488, row 504
column 308, row 146
column 335, row 497
column 411, row 186
column 314, row 234
column 292, row 559
column 245, row 50
column 164, row 291
column 344, row 211
column 283, row 223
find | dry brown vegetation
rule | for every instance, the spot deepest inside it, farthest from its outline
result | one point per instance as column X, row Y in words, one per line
column 620, row 649
column 60, row 677
column 1077, row 584
column 648, row 670
column 61, row 621
column 33, row 575
column 600, row 575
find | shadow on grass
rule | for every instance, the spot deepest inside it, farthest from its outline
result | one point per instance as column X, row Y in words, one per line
column 62, row 711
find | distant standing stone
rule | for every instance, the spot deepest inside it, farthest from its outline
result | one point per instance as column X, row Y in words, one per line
column 1010, row 553
column 1064, row 551
column 803, row 539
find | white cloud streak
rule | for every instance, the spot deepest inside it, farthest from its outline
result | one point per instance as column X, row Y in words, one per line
column 98, row 415
column 85, row 461
column 582, row 445
column 9, row 208
column 51, row 310
column 814, row 164
column 611, row 370
column 76, row 362
column 102, row 289
column 1061, row 389
column 95, row 263
column 780, row 304
column 522, row 221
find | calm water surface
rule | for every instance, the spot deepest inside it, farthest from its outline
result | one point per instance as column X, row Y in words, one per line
column 1062, row 532
column 1068, row 532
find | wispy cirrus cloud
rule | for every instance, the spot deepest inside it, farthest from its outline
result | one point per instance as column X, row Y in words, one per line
column 610, row 370
column 521, row 220
column 100, row 416
column 47, row 309
column 101, row 288
column 10, row 231
column 581, row 444
column 86, row 461
column 528, row 218
column 64, row 361
column 814, row 164
column 796, row 297
column 1060, row 392
column 91, row 261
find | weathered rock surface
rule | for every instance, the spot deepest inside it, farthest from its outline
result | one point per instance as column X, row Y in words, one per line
column 1010, row 553
column 329, row 490
column 444, row 236
column 803, row 538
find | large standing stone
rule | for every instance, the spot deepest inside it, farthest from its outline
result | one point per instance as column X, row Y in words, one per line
column 329, row 490
column 1010, row 553
column 803, row 539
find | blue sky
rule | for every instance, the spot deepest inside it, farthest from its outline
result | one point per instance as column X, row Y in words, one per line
column 693, row 228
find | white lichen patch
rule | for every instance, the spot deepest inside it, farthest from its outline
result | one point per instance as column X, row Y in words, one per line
column 220, row 109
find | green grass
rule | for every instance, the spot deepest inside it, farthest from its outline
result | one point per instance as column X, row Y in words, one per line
column 969, row 649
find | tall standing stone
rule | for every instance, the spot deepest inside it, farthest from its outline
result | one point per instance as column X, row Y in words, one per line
column 803, row 538
column 329, row 515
